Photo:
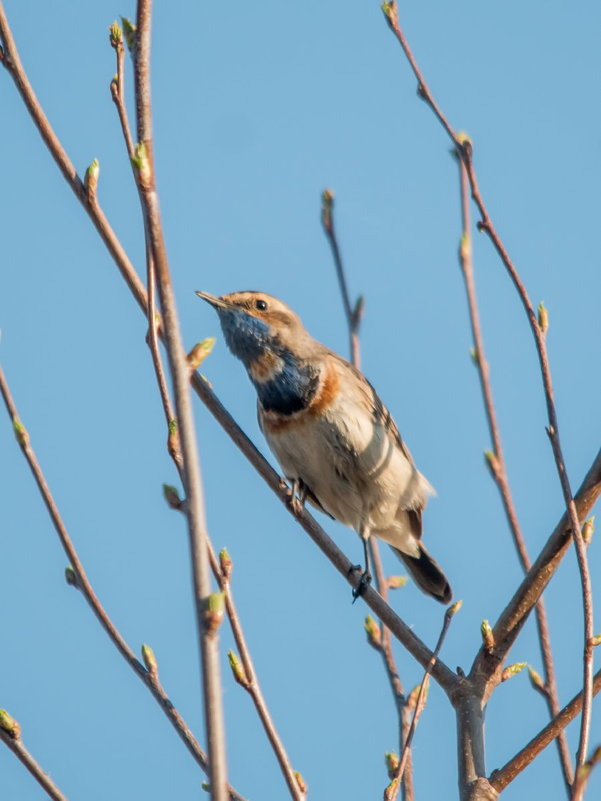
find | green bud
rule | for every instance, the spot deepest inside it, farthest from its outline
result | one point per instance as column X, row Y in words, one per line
column 465, row 247
column 454, row 608
column 512, row 670
column 372, row 630
column 492, row 462
column 396, row 582
column 327, row 204
column 149, row 660
column 543, row 317
column 536, row 680
column 588, row 529
column 213, row 613
column 200, row 351
column 391, row 13
column 115, row 35
column 392, row 763
column 391, row 790
column 141, row 162
column 21, row 432
column 595, row 641
column 71, row 576
column 129, row 33
column 488, row 638
column 91, row 178
column 9, row 725
column 238, row 670
column 206, row 786
column 171, row 495
column 302, row 784
column 225, row 563
column 474, row 355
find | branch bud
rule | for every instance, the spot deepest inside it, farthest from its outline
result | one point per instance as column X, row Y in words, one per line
column 465, row 247
column 396, row 582
column 115, row 35
column 141, row 163
column 373, row 632
column 595, row 641
column 391, row 790
column 90, row 180
column 238, row 670
column 213, row 613
column 536, row 681
column 392, row 763
column 206, row 787
column 474, row 355
column 543, row 317
column 225, row 563
column 129, row 33
column 588, row 529
column 200, row 351
column 453, row 609
column 327, row 205
column 302, row 784
column 488, row 638
column 412, row 697
column 71, row 577
column 150, row 661
column 512, row 670
column 391, row 13
column 492, row 462
column 173, row 444
column 9, row 725
column 21, row 432
column 171, row 495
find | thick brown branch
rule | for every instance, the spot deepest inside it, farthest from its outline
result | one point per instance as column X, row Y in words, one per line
column 83, row 584
column 499, row 468
column 502, row 777
column 16, row 746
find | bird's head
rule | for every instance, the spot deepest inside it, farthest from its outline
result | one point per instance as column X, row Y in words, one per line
column 257, row 325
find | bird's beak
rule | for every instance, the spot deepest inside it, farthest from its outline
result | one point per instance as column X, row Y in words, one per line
column 215, row 302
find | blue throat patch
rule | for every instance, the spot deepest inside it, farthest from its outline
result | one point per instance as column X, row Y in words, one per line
column 249, row 338
column 291, row 390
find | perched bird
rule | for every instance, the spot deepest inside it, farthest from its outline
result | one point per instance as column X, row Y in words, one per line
column 334, row 439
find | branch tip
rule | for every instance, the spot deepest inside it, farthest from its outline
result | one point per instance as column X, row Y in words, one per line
column 9, row 725
column 150, row 661
column 372, row 629
column 116, row 35
column 391, row 12
column 488, row 638
column 536, row 680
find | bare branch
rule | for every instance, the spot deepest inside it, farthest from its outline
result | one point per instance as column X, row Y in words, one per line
column 464, row 148
column 195, row 512
column 251, row 682
column 118, row 87
column 420, row 702
column 83, row 584
column 502, row 777
column 499, row 468
column 12, row 739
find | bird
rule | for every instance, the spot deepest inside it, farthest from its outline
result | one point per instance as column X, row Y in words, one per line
column 333, row 437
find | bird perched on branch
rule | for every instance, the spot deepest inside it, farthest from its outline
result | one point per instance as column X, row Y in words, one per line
column 334, row 439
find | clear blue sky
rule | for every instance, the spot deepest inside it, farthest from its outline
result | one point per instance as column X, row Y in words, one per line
column 258, row 107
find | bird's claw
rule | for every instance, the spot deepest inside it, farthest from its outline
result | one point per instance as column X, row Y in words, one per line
column 363, row 584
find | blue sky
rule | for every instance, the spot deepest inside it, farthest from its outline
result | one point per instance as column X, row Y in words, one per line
column 257, row 108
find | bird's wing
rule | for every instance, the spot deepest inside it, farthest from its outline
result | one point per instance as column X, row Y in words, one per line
column 374, row 405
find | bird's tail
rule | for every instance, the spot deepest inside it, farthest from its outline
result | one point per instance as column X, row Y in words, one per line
column 427, row 574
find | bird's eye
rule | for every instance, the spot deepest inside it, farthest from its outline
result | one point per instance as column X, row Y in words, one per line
column 261, row 305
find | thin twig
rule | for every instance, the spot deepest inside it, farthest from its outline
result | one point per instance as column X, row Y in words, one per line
column 353, row 319
column 505, row 775
column 498, row 467
column 250, row 681
column 464, row 148
column 195, row 512
column 353, row 314
column 118, row 90
column 420, row 703
column 83, row 584
column 16, row 746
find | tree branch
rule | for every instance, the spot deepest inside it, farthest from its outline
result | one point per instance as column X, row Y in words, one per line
column 464, row 148
column 83, row 584
column 195, row 511
column 498, row 468
column 502, row 777
column 14, row 742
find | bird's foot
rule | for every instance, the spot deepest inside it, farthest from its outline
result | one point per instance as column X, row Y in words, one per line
column 364, row 581
column 297, row 496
